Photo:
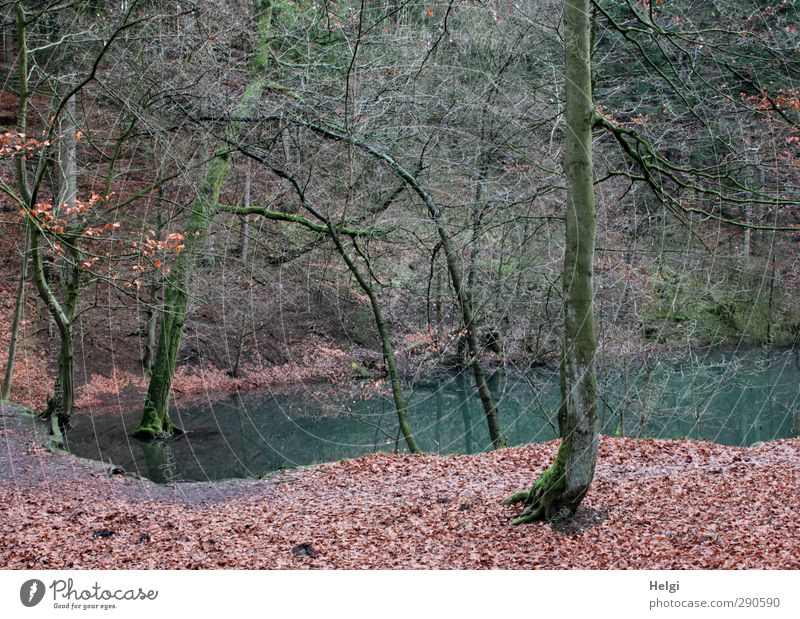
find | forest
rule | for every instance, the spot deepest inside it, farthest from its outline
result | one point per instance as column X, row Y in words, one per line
column 400, row 284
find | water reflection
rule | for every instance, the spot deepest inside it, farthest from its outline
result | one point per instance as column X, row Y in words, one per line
column 736, row 399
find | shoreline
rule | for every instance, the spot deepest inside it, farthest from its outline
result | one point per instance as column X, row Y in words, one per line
column 687, row 505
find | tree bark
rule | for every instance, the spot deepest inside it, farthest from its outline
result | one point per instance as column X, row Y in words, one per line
column 8, row 48
column 60, row 406
column 151, row 322
column 386, row 344
column 561, row 488
column 245, row 242
column 155, row 422
column 19, row 307
column 67, row 154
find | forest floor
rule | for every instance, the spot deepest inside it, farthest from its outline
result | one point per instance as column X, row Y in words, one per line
column 654, row 504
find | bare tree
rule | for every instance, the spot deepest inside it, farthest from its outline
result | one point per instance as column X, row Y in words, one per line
column 562, row 487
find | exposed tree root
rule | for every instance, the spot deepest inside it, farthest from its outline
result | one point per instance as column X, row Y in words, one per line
column 59, row 424
column 157, row 430
column 542, row 496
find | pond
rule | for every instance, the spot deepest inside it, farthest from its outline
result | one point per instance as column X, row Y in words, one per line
column 730, row 398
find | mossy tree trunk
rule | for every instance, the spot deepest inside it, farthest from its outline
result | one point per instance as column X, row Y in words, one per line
column 155, row 422
column 61, row 404
column 561, row 488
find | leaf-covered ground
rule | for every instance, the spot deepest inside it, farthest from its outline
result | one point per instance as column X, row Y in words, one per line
column 654, row 504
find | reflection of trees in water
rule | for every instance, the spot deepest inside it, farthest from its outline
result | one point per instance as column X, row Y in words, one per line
column 732, row 398
column 160, row 461
column 437, row 427
column 463, row 407
column 628, row 394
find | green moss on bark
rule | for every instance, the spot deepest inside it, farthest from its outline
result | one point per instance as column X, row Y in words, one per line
column 542, row 497
column 155, row 421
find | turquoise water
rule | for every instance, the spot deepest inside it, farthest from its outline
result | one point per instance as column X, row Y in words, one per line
column 729, row 398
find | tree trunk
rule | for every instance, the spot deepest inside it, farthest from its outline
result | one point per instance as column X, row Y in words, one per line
column 67, row 155
column 62, row 403
column 454, row 269
column 386, row 344
column 245, row 242
column 19, row 307
column 748, row 220
column 561, row 488
column 468, row 316
column 148, row 357
column 8, row 48
column 151, row 322
column 155, row 421
column 239, row 347
column 60, row 406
